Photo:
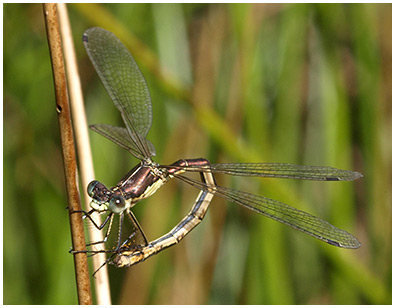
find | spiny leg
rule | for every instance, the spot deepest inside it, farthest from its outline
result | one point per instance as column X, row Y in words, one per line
column 194, row 217
column 108, row 260
column 108, row 220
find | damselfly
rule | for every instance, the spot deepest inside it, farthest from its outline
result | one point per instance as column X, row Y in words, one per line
column 128, row 90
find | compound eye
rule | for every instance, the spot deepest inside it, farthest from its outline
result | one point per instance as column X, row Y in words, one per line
column 117, row 204
column 91, row 188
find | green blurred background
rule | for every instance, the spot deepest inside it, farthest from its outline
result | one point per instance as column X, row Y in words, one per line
column 305, row 84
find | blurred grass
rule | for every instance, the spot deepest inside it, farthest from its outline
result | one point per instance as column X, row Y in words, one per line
column 308, row 84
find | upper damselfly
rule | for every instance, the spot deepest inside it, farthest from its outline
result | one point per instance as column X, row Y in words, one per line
column 128, row 90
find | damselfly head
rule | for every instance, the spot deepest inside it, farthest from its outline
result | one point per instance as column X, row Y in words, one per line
column 104, row 199
column 117, row 204
column 100, row 195
column 98, row 191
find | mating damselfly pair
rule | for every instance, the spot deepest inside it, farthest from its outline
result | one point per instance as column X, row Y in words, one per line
column 128, row 90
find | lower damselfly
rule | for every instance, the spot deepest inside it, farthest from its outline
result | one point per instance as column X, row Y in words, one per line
column 129, row 92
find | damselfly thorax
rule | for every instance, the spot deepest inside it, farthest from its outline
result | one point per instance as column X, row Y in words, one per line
column 139, row 183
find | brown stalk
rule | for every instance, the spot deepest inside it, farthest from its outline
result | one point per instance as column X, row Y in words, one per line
column 68, row 152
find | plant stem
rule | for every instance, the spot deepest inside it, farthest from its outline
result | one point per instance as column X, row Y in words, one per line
column 101, row 281
column 68, row 151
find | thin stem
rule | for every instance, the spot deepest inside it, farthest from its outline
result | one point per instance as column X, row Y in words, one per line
column 68, row 151
column 101, row 282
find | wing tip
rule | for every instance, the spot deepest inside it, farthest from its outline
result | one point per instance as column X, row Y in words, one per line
column 354, row 244
column 350, row 176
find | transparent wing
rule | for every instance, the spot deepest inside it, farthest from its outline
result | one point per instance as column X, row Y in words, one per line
column 121, row 137
column 278, row 170
column 124, row 83
column 126, row 232
column 138, row 239
column 283, row 213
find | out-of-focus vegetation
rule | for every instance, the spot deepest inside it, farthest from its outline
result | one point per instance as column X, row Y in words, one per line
column 306, row 84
